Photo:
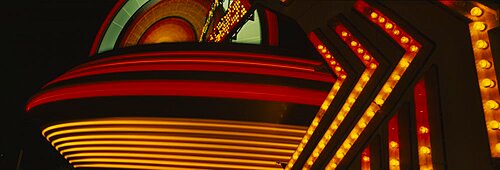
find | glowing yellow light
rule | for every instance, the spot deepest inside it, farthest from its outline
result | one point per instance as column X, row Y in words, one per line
column 497, row 147
column 476, row 11
column 487, row 83
column 366, row 158
column 320, row 47
column 493, row 124
column 328, row 56
column 310, row 162
column 354, row 43
column 396, row 32
column 344, row 34
column 423, row 130
column 388, row 26
column 374, row 15
column 481, row 44
column 333, row 62
column 316, row 154
column 338, row 68
column 491, row 104
column 346, row 145
column 373, row 66
column 370, row 113
column 379, row 101
column 362, row 124
column 381, row 19
column 479, row 26
column 405, row 40
column 484, row 64
column 354, row 136
column 387, row 89
column 413, row 48
column 394, row 162
column 424, row 150
column 343, row 76
column 360, row 50
column 324, row 50
column 396, row 77
column 393, row 144
column 340, row 155
column 366, row 57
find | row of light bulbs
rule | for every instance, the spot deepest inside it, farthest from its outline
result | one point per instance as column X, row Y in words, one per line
column 341, row 76
column 235, row 12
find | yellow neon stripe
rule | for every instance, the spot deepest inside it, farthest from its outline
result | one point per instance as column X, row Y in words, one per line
column 174, row 138
column 70, row 157
column 176, row 144
column 157, row 162
column 183, row 122
column 174, row 151
column 170, row 130
column 128, row 166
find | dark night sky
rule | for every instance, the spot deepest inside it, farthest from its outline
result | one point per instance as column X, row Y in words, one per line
column 40, row 40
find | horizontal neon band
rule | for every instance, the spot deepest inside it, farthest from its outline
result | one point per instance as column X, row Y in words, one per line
column 274, row 128
column 168, row 130
column 236, row 66
column 173, row 138
column 173, row 151
column 129, row 166
column 170, row 144
column 159, row 162
column 181, row 88
column 168, row 157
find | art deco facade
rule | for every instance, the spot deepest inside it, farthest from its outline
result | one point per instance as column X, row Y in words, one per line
column 202, row 84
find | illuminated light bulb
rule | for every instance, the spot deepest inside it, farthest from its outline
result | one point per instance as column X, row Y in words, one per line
column 394, row 162
column 310, row 162
column 295, row 155
column 381, row 19
column 310, row 131
column 315, row 122
column 404, row 63
column 316, row 154
column 340, row 116
column 354, row 136
column 346, row 145
column 339, row 154
column 493, row 124
column 347, row 109
column 324, row 50
column 365, row 78
column 362, row 124
column 344, row 34
column 351, row 100
column 396, row 77
column 388, row 26
column 360, row 50
column 487, row 83
column 374, row 15
column 373, row 66
column 338, row 68
column 366, row 158
column 370, row 113
column 359, row 89
column 476, row 11
column 497, row 147
column 343, row 76
column 300, row 149
column 387, row 89
column 484, row 64
column 424, row 150
column 354, row 43
column 423, row 130
column 336, row 87
column 396, row 32
column 393, row 144
column 491, row 104
column 366, row 57
column 333, row 62
column 320, row 47
column 328, row 56
column 321, row 145
column 405, row 40
column 379, row 101
column 333, row 165
column 413, row 48
column 481, row 44
column 479, row 26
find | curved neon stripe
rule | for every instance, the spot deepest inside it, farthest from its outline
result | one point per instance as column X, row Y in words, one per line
column 167, row 157
column 169, row 144
column 168, row 130
column 173, row 151
column 251, row 67
column 161, row 162
column 129, row 166
column 172, row 138
column 183, row 122
column 181, row 88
